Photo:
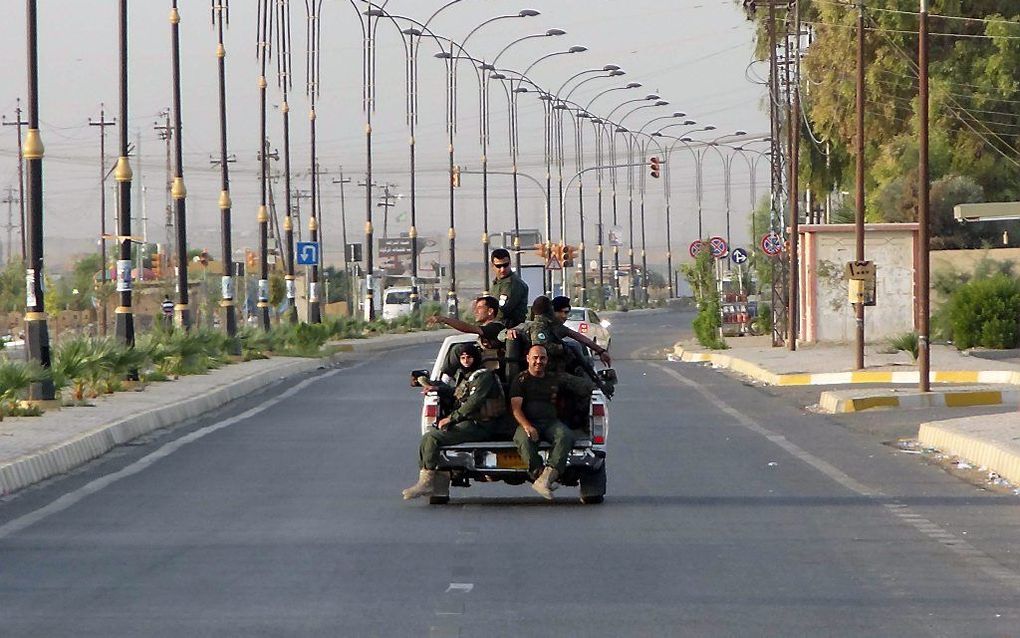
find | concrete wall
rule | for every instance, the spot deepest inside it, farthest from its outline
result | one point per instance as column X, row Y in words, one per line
column 825, row 313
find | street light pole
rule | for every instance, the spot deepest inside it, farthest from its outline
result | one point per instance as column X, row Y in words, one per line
column 37, row 339
column 859, row 209
column 312, row 8
column 221, row 17
column 265, row 30
column 125, row 324
column 178, row 192
column 285, row 83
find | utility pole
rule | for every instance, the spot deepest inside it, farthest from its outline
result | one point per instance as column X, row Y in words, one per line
column 166, row 134
column 387, row 203
column 102, row 123
column 10, row 200
column 923, row 345
column 18, row 122
column 343, row 232
column 859, row 211
column 794, row 179
column 313, row 39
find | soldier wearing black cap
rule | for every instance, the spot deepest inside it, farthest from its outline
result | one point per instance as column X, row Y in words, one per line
column 480, row 414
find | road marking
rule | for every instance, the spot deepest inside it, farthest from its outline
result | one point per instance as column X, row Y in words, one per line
column 460, row 587
column 902, row 511
column 72, row 498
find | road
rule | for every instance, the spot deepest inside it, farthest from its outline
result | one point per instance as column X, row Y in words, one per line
column 731, row 512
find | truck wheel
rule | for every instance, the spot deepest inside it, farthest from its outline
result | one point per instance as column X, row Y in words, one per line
column 593, row 486
column 439, row 500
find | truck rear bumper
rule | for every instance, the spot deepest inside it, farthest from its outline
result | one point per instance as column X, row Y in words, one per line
column 500, row 462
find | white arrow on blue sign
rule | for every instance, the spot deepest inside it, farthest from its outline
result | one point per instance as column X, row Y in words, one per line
column 307, row 253
column 739, row 256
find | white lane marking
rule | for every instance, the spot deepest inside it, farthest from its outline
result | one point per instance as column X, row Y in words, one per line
column 463, row 588
column 71, row 498
column 950, row 541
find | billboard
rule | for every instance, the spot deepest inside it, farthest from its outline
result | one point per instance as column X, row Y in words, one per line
column 396, row 254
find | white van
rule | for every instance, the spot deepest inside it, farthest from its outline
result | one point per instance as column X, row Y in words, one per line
column 396, row 303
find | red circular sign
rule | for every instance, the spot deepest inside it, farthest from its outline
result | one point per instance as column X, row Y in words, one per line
column 718, row 247
column 772, row 244
column 697, row 247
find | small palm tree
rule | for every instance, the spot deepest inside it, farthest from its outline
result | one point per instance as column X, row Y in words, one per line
column 15, row 378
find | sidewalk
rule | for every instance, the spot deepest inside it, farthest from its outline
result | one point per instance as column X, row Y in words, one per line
column 33, row 449
column 959, row 379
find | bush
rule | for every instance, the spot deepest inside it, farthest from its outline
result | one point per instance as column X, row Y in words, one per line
column 708, row 323
column 906, row 342
column 15, row 377
column 983, row 312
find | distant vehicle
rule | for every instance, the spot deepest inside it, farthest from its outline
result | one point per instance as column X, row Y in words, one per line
column 397, row 303
column 586, row 322
column 489, row 461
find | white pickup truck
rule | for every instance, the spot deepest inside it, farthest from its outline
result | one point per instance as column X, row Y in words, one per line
column 499, row 461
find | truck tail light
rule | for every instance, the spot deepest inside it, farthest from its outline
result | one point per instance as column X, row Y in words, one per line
column 431, row 410
column 598, row 423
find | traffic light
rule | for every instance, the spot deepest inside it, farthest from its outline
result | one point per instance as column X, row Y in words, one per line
column 541, row 250
column 654, row 165
column 455, row 177
column 157, row 265
column 557, row 253
column 249, row 260
column 569, row 255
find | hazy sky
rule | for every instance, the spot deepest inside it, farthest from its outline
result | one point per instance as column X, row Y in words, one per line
column 694, row 53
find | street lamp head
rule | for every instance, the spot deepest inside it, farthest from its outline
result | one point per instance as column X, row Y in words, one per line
column 497, row 76
column 521, row 89
column 411, row 31
column 374, row 13
column 678, row 114
column 528, row 13
column 662, row 103
column 651, row 96
column 443, row 55
column 611, row 67
column 577, row 49
column 633, row 85
column 689, row 122
column 657, row 134
column 620, row 129
column 545, row 96
column 739, row 133
column 556, row 32
column 686, row 139
column 485, row 66
column 560, row 106
column 617, row 73
column 710, row 128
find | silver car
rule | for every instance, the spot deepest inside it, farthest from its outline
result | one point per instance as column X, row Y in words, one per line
column 586, row 322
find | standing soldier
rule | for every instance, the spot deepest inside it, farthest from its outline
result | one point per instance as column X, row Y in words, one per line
column 509, row 290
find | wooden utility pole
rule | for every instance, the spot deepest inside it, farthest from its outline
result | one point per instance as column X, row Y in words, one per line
column 859, row 212
column 18, row 122
column 102, row 123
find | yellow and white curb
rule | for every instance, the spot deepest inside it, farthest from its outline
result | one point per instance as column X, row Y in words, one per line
column 834, row 403
column 972, row 377
column 986, row 445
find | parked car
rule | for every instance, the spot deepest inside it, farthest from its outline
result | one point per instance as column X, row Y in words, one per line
column 585, row 321
column 397, row 303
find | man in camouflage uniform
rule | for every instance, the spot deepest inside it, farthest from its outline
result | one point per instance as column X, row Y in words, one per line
column 545, row 329
column 485, row 308
column 509, row 290
column 533, row 404
column 480, row 415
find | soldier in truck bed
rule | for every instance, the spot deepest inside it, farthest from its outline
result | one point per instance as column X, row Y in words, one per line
column 480, row 415
column 485, row 309
column 509, row 289
column 544, row 329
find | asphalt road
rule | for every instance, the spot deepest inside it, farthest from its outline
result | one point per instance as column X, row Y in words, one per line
column 731, row 511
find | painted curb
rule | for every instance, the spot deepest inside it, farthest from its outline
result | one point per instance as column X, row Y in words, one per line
column 974, row 377
column 63, row 457
column 832, row 403
column 1000, row 458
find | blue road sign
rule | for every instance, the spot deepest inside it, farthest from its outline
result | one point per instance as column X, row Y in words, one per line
column 307, row 253
column 739, row 256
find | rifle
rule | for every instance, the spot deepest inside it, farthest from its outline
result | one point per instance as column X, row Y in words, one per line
column 603, row 379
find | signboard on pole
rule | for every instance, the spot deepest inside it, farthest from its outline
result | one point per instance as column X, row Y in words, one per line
column 771, row 244
column 307, row 253
column 697, row 247
column 718, row 247
column 397, row 254
column 739, row 256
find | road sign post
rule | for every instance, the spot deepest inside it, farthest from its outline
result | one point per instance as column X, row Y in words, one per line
column 307, row 253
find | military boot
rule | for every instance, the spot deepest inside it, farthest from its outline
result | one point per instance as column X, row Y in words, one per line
column 424, row 486
column 544, row 483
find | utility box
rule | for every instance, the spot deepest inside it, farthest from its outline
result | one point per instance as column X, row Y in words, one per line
column 829, row 276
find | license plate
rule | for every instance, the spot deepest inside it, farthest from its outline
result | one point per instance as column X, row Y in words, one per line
column 510, row 460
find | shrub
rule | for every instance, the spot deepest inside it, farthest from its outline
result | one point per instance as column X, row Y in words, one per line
column 906, row 342
column 15, row 377
column 983, row 312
